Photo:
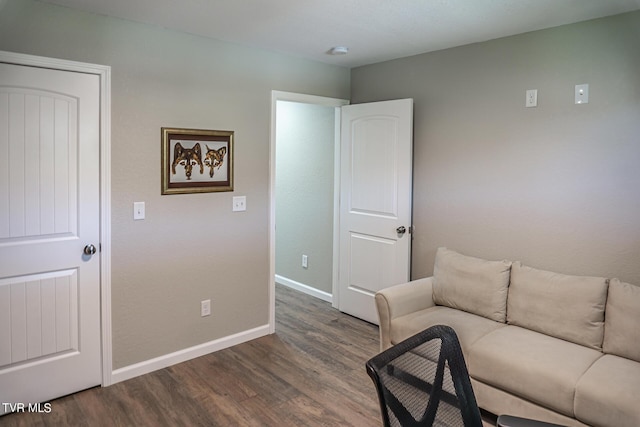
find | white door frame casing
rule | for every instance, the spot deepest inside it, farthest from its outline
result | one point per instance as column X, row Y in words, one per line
column 104, row 73
column 305, row 99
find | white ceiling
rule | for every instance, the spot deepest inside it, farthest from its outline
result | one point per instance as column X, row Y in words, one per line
column 374, row 30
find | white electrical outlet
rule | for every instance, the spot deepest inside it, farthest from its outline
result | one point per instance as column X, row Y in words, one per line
column 532, row 98
column 205, row 308
column 305, row 261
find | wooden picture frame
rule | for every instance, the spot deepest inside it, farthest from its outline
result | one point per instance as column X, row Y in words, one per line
column 196, row 160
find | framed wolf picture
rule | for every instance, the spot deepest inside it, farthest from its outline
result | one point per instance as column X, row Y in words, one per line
column 196, row 161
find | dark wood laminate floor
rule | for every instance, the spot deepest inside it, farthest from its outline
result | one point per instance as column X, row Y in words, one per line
column 310, row 373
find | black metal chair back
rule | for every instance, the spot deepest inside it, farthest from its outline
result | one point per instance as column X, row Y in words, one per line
column 423, row 381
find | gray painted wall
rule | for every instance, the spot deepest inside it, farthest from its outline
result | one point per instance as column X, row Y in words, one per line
column 557, row 186
column 305, row 138
column 190, row 247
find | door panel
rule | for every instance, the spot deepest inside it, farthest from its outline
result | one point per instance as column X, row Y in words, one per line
column 41, row 164
column 43, row 312
column 370, row 259
column 374, row 159
column 375, row 199
column 49, row 211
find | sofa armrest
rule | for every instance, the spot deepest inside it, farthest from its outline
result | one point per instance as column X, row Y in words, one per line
column 400, row 300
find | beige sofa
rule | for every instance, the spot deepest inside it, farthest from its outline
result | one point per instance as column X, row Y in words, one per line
column 559, row 348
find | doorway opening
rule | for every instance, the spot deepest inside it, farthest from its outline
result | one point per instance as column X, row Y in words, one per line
column 304, row 195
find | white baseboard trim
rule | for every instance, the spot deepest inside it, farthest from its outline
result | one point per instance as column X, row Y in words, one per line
column 324, row 296
column 180, row 356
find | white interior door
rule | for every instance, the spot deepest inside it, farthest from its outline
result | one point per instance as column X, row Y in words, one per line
column 49, row 212
column 375, row 202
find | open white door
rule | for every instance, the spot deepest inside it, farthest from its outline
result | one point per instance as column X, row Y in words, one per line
column 375, row 202
column 49, row 228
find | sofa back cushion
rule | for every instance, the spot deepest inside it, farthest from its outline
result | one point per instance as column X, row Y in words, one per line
column 622, row 321
column 566, row 307
column 471, row 284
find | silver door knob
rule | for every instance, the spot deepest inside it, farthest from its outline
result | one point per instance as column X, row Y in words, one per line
column 401, row 230
column 89, row 250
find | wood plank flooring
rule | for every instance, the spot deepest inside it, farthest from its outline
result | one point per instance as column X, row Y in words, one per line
column 310, row 373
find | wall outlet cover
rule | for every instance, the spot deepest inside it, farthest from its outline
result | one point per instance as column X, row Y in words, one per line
column 205, row 308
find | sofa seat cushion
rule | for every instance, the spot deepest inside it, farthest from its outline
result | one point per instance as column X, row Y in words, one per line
column 621, row 325
column 468, row 327
column 563, row 306
column 471, row 284
column 607, row 394
column 533, row 366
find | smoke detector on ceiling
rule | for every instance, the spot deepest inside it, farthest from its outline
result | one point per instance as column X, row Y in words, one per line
column 338, row 50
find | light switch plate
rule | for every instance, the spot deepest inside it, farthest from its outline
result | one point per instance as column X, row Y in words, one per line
column 532, row 98
column 582, row 94
column 138, row 210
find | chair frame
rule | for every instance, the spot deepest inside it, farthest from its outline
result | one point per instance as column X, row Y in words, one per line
column 451, row 352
